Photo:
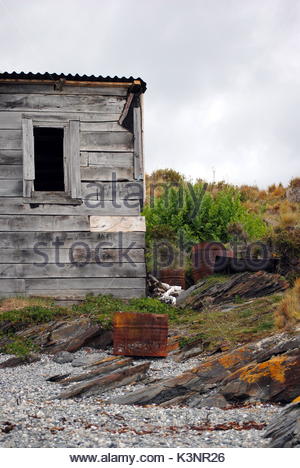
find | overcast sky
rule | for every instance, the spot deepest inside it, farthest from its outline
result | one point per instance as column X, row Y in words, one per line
column 223, row 75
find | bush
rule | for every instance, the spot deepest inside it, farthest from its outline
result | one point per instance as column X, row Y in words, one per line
column 199, row 215
column 285, row 243
column 289, row 214
column 102, row 308
column 287, row 314
column 32, row 314
column 153, row 306
column 277, row 191
column 295, row 183
column 19, row 347
column 289, row 219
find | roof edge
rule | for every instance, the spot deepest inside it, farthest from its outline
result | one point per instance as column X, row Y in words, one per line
column 72, row 80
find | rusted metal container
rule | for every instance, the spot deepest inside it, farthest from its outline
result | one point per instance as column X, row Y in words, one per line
column 209, row 258
column 139, row 334
column 238, row 265
column 173, row 277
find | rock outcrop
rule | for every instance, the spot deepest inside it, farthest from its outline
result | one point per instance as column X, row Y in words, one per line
column 66, row 335
column 16, row 361
column 267, row 370
column 284, row 430
column 242, row 285
column 293, row 194
column 103, row 378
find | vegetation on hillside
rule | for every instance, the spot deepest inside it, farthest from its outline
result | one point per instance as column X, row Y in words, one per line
column 287, row 315
column 183, row 213
column 223, row 326
column 200, row 215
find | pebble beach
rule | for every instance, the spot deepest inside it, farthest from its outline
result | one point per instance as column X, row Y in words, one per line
column 32, row 416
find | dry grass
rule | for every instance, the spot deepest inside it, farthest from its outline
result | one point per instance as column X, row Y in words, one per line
column 295, row 183
column 289, row 214
column 252, row 206
column 231, row 324
column 276, row 191
column 17, row 303
column 274, row 209
column 289, row 219
column 287, row 314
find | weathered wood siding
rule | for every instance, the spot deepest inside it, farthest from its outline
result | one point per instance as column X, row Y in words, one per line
column 31, row 261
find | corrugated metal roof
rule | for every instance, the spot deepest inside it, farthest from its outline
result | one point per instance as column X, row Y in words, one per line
column 55, row 77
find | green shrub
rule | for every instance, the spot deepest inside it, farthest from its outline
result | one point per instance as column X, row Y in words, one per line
column 152, row 306
column 104, row 304
column 32, row 314
column 102, row 308
column 19, row 347
column 199, row 215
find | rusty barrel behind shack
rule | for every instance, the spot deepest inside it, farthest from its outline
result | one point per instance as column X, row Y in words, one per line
column 173, row 277
column 139, row 334
column 209, row 258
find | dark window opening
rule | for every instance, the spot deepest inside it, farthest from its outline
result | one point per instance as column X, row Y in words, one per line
column 128, row 121
column 49, row 159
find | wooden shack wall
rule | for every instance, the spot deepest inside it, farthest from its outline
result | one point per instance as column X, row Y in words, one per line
column 28, row 267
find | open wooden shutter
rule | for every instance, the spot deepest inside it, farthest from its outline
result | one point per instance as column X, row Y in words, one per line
column 74, row 159
column 28, row 157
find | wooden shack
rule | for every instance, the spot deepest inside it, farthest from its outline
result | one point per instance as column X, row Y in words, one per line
column 71, row 186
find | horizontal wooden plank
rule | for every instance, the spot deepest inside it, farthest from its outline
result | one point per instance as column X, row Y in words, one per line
column 35, row 88
column 109, row 159
column 10, row 120
column 106, row 141
column 24, row 240
column 11, row 139
column 46, row 116
column 11, row 172
column 12, row 285
column 129, row 191
column 90, row 270
column 101, row 127
column 11, row 188
column 84, row 159
column 117, row 223
column 43, row 223
column 79, row 294
column 80, row 253
column 64, row 103
column 57, row 198
column 60, row 284
column 90, row 121
column 11, row 156
column 15, row 206
column 106, row 173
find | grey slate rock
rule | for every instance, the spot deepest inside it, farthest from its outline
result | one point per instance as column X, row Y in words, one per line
column 16, row 361
column 63, row 357
column 86, row 360
column 284, row 430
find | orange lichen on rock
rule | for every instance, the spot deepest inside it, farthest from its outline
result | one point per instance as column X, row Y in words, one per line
column 232, row 358
column 204, row 365
column 275, row 369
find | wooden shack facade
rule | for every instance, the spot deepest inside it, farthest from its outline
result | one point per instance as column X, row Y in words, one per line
column 71, row 186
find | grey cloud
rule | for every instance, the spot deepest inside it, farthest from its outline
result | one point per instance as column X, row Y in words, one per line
column 223, row 76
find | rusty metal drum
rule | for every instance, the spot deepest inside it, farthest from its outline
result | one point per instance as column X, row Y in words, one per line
column 204, row 257
column 139, row 334
column 173, row 277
